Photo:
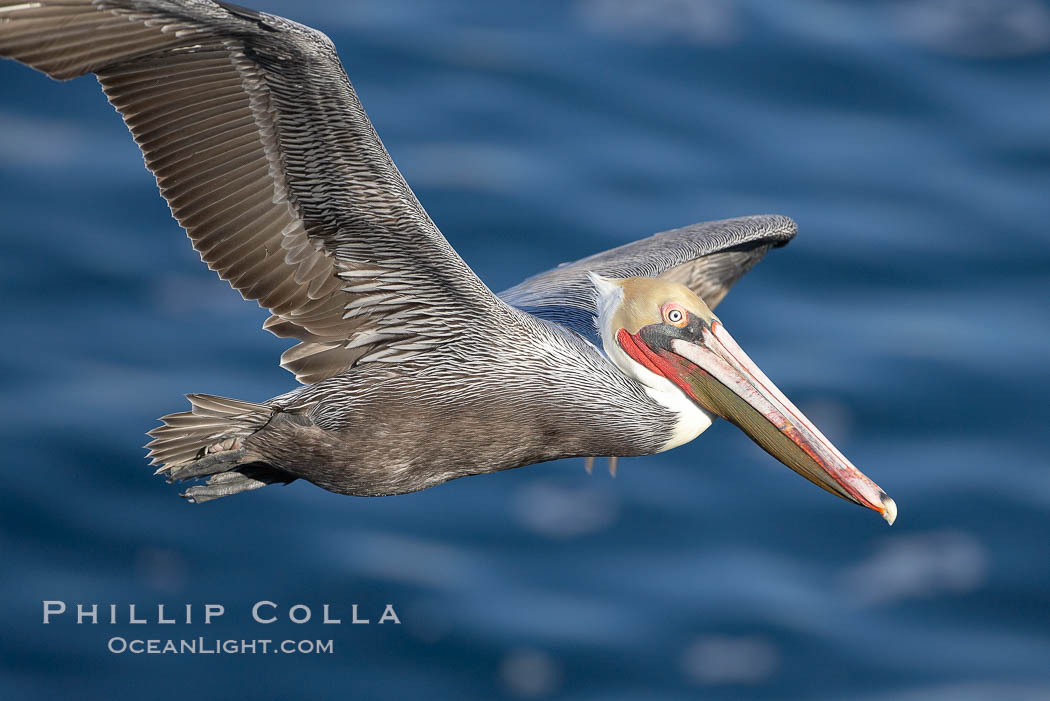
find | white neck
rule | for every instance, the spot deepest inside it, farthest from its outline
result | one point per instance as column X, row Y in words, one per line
column 692, row 419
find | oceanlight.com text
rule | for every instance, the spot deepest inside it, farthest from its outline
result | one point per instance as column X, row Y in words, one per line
column 215, row 646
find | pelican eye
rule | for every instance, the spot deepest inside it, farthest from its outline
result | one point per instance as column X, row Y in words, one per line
column 674, row 315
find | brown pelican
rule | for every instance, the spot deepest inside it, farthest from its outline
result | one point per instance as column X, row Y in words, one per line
column 413, row 372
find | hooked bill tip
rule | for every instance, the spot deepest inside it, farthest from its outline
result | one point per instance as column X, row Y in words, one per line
column 889, row 509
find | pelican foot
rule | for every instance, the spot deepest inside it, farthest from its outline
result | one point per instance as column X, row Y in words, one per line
column 588, row 464
column 223, row 485
column 210, row 463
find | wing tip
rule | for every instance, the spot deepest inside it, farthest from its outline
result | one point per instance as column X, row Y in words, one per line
column 783, row 227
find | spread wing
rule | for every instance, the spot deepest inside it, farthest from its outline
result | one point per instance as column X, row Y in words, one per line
column 707, row 258
column 267, row 159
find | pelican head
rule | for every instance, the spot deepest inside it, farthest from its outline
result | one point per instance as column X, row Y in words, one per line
column 664, row 336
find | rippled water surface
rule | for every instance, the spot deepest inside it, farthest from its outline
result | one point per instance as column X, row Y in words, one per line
column 909, row 319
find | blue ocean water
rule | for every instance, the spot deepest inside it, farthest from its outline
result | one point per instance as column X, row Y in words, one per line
column 908, row 139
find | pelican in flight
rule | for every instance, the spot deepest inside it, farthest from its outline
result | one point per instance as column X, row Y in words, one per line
column 411, row 371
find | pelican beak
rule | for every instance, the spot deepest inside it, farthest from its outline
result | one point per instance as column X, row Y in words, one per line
column 707, row 364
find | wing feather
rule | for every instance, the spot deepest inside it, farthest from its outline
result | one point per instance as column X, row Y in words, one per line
column 267, row 159
column 708, row 258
